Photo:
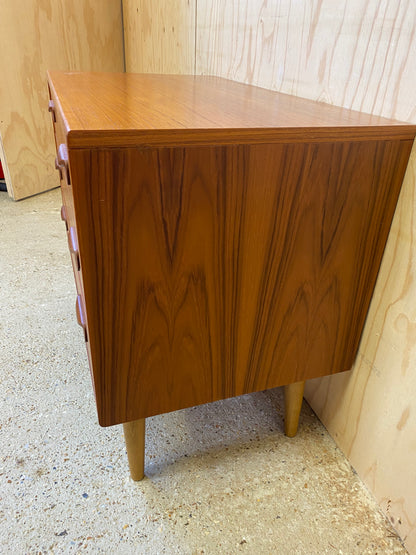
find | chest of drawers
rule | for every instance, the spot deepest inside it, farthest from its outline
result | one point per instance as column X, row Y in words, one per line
column 225, row 239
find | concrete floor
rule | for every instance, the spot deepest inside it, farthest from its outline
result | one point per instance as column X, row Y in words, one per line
column 221, row 478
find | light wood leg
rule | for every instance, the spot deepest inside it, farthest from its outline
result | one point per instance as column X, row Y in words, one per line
column 293, row 404
column 134, row 434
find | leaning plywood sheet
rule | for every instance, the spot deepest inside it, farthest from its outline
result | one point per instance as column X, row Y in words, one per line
column 36, row 36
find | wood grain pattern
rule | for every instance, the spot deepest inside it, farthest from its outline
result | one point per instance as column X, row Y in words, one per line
column 38, row 35
column 159, row 36
column 225, row 270
column 178, row 110
column 358, row 54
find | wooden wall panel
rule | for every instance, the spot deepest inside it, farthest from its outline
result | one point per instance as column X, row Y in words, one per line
column 359, row 54
column 159, row 36
column 37, row 35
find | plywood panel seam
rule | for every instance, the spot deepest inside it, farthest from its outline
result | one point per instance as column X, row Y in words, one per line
column 123, row 30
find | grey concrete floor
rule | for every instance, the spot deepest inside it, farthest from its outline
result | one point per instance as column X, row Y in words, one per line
column 220, row 478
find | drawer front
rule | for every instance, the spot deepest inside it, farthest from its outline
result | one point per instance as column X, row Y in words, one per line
column 80, row 312
column 73, row 247
column 62, row 162
column 75, row 258
column 67, row 210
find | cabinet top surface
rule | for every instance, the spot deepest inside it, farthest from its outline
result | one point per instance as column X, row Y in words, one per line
column 124, row 109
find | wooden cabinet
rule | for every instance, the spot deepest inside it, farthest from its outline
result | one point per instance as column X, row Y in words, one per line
column 225, row 238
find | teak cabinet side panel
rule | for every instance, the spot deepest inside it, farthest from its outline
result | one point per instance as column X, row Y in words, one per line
column 211, row 272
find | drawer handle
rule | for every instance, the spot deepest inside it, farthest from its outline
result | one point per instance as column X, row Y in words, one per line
column 80, row 315
column 73, row 246
column 80, row 312
column 63, row 216
column 58, row 167
column 51, row 109
column 73, row 240
column 62, row 161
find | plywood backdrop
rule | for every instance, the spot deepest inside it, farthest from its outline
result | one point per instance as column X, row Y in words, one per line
column 159, row 36
column 359, row 54
column 36, row 35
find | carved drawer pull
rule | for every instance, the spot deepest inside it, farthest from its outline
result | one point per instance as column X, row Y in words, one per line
column 62, row 161
column 63, row 216
column 80, row 315
column 73, row 240
column 73, row 246
column 57, row 167
column 51, row 109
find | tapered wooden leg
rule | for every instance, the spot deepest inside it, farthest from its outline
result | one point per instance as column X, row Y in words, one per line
column 293, row 404
column 134, row 434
